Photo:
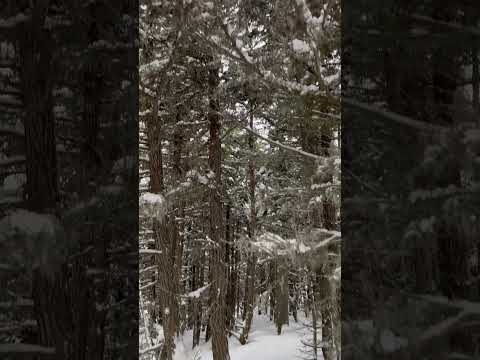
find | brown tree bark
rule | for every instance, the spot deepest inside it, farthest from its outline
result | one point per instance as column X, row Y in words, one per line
column 230, row 260
column 315, row 341
column 281, row 295
column 251, row 262
column 154, row 138
column 272, row 272
column 168, row 243
column 170, row 260
column 218, row 287
column 197, row 282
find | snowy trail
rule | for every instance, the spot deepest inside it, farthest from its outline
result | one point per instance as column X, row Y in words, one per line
column 264, row 344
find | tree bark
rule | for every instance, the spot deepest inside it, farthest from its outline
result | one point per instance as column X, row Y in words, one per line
column 41, row 164
column 251, row 268
column 40, row 145
column 315, row 330
column 218, row 287
column 170, row 264
column 281, row 296
column 230, row 260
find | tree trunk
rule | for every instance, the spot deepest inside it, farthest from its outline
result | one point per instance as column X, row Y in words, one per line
column 218, row 287
column 196, row 284
column 154, row 137
column 250, row 298
column 167, row 241
column 169, row 269
column 155, row 164
column 40, row 145
column 91, row 160
column 325, row 289
column 294, row 297
column 250, row 280
column 325, row 295
column 281, row 295
column 41, row 165
column 230, row 260
column 475, row 77
column 272, row 279
column 315, row 331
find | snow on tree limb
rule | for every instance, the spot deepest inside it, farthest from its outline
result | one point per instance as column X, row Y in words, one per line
column 450, row 25
column 11, row 130
column 395, row 117
column 199, row 292
column 13, row 21
column 13, row 160
column 20, row 348
column 150, row 251
column 283, row 146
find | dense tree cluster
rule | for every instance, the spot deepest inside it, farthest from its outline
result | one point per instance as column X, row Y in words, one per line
column 240, row 171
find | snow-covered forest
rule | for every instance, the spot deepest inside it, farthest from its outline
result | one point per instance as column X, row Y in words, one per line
column 239, row 180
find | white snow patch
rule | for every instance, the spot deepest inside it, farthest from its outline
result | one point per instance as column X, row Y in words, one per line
column 30, row 223
column 13, row 21
column 197, row 293
column 17, row 348
column 300, row 46
column 390, row 342
column 14, row 182
column 210, row 174
column 202, row 179
column 155, row 205
column 263, row 343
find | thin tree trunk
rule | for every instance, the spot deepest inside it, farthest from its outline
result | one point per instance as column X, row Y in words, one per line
column 475, row 78
column 281, row 296
column 315, row 331
column 208, row 329
column 272, row 278
column 230, row 260
column 196, row 284
column 250, row 281
column 294, row 296
column 325, row 289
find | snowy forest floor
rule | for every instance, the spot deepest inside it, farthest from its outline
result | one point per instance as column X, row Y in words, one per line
column 263, row 344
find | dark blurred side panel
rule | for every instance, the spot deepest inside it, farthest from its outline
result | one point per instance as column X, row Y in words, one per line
column 410, row 179
column 68, row 179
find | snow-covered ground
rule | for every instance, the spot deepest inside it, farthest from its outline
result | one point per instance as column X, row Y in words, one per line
column 263, row 344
